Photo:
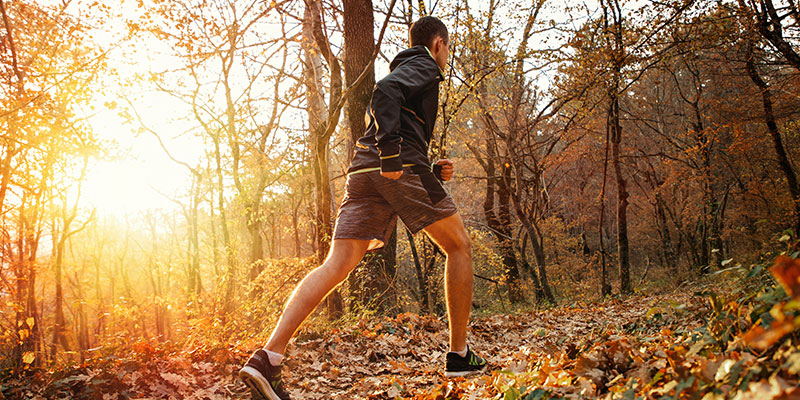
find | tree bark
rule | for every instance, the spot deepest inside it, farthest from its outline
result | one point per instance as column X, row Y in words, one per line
column 313, row 46
column 616, row 48
column 777, row 140
column 230, row 260
column 359, row 45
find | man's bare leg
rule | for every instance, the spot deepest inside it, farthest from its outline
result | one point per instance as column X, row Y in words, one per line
column 343, row 256
column 449, row 233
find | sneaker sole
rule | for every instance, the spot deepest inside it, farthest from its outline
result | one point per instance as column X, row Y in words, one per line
column 254, row 380
column 461, row 374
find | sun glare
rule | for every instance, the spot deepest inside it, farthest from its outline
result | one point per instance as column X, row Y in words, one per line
column 141, row 177
column 123, row 187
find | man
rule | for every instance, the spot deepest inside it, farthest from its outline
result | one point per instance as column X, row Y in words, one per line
column 389, row 175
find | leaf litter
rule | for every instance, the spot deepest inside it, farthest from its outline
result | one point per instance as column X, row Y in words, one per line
column 731, row 338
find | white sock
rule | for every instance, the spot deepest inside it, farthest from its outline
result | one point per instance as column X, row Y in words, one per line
column 274, row 358
column 462, row 353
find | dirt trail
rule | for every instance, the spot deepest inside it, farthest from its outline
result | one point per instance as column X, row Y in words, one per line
column 404, row 356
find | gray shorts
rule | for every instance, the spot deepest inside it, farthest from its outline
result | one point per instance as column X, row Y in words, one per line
column 372, row 203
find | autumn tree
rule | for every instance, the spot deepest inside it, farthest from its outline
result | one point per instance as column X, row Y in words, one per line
column 230, row 80
column 42, row 135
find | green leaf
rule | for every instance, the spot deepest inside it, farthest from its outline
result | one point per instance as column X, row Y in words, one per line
column 538, row 394
column 682, row 385
column 629, row 394
column 511, row 394
column 755, row 271
column 657, row 377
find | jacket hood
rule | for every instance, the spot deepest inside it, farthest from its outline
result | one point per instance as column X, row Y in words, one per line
column 408, row 54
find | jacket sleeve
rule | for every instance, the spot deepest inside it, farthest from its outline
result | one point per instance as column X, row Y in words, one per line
column 389, row 95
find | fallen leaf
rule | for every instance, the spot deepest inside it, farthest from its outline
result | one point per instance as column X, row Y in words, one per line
column 787, row 271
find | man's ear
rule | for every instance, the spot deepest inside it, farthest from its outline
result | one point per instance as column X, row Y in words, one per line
column 438, row 43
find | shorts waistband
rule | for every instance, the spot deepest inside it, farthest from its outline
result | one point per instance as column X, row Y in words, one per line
column 379, row 168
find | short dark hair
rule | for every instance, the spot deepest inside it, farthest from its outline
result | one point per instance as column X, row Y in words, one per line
column 425, row 30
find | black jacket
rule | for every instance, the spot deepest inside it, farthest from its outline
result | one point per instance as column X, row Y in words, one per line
column 401, row 114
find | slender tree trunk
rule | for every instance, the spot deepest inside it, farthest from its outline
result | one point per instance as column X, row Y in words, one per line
column 537, row 286
column 623, row 252
column 296, row 228
column 20, row 91
column 230, row 262
column 667, row 250
column 195, row 285
column 500, row 221
column 616, row 47
column 60, row 328
column 312, row 74
column 777, row 140
column 359, row 46
column 605, row 287
column 83, row 330
column 422, row 280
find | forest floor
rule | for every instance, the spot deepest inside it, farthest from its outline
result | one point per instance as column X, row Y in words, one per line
column 680, row 344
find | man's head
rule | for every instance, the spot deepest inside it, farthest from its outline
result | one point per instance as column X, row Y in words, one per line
column 431, row 33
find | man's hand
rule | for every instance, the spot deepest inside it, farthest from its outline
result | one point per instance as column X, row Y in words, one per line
column 447, row 169
column 392, row 174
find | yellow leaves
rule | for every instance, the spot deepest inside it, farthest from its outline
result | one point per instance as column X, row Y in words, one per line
column 28, row 357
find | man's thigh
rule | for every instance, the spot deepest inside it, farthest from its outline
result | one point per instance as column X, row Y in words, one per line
column 449, row 233
column 417, row 197
column 364, row 214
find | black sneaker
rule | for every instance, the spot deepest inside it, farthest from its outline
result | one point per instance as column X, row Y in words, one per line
column 463, row 366
column 263, row 378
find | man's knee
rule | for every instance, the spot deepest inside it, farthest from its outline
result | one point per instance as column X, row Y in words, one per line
column 336, row 269
column 343, row 256
column 459, row 244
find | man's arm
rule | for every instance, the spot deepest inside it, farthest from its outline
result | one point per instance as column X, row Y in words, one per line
column 389, row 95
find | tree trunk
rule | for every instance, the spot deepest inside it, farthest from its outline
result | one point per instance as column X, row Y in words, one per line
column 667, row 250
column 623, row 252
column 777, row 140
column 422, row 280
column 537, row 286
column 195, row 284
column 500, row 221
column 60, row 326
column 312, row 74
column 230, row 261
column 616, row 48
column 296, row 227
column 358, row 47
column 605, row 287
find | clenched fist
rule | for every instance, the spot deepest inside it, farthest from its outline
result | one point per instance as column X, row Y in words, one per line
column 447, row 169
